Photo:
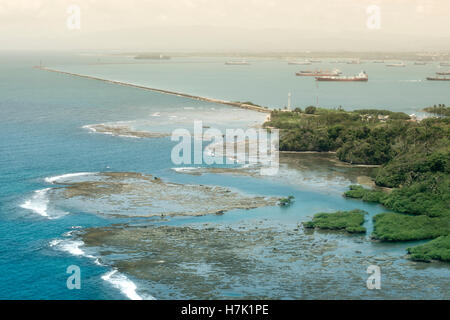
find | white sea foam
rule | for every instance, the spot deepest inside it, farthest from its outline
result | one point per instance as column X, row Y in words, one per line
column 115, row 278
column 125, row 285
column 184, row 169
column 39, row 203
column 70, row 246
column 128, row 136
column 54, row 242
column 67, row 176
column 93, row 129
column 73, row 247
column 68, row 233
column 90, row 127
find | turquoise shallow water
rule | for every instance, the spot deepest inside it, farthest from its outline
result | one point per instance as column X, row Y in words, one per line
column 41, row 120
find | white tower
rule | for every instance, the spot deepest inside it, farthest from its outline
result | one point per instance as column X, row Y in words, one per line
column 289, row 101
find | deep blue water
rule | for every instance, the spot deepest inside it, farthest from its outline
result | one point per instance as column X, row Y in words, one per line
column 41, row 115
column 41, row 135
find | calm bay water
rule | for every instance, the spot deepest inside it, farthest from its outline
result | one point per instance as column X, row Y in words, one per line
column 268, row 81
column 41, row 120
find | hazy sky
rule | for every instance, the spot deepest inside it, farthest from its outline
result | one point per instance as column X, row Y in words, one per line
column 214, row 25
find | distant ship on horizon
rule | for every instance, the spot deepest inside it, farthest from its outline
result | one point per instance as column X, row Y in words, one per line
column 317, row 73
column 152, row 57
column 237, row 63
column 306, row 62
column 438, row 78
column 399, row 64
column 362, row 76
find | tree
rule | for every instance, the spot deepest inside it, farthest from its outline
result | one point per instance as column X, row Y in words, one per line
column 310, row 110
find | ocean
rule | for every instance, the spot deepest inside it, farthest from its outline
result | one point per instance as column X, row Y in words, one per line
column 43, row 138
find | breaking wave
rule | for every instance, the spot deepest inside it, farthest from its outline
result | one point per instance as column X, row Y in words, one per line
column 125, row 285
column 39, row 203
column 63, row 177
column 115, row 278
column 185, row 169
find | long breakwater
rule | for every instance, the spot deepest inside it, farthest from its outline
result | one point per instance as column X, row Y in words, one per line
column 179, row 94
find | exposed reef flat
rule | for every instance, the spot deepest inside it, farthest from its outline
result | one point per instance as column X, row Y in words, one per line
column 123, row 131
column 201, row 262
column 304, row 169
column 135, row 194
column 255, row 260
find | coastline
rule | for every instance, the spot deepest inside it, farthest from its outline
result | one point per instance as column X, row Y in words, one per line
column 204, row 99
column 59, row 145
column 318, row 152
column 179, row 94
column 335, row 160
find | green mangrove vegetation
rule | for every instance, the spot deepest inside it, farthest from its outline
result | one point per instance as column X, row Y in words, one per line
column 414, row 163
column 350, row 221
column 429, row 197
column 440, row 110
column 437, row 249
column 286, row 202
column 401, row 227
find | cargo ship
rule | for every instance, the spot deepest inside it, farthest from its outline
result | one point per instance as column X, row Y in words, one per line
column 306, row 62
column 444, row 73
column 318, row 73
column 400, row 64
column 438, row 78
column 420, row 63
column 152, row 57
column 362, row 76
column 237, row 63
